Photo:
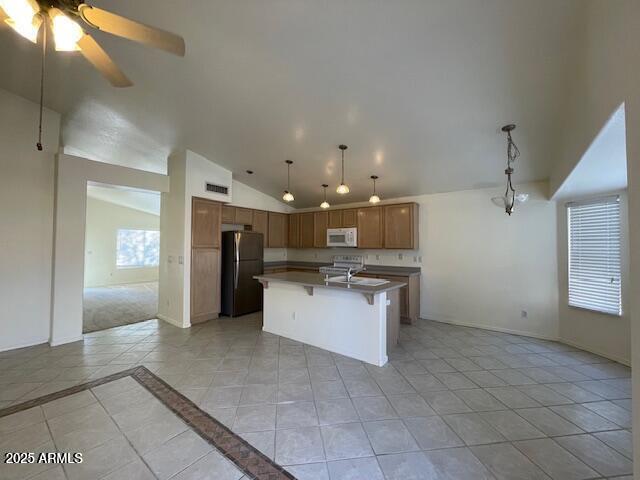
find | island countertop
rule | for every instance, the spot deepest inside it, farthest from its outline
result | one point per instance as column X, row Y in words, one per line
column 317, row 280
column 371, row 269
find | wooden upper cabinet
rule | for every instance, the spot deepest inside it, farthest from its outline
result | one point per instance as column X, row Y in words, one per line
column 244, row 216
column 320, row 222
column 205, row 223
column 349, row 218
column 260, row 224
column 370, row 227
column 335, row 219
column 401, row 226
column 294, row 230
column 228, row 214
column 306, row 230
column 278, row 230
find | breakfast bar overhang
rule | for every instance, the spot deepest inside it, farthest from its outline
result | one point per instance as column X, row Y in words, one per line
column 352, row 319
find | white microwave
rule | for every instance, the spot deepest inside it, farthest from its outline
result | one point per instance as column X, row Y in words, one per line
column 342, row 237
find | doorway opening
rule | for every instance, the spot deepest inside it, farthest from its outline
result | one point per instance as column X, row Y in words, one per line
column 122, row 253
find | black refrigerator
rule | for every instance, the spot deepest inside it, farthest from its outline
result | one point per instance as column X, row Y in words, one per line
column 242, row 258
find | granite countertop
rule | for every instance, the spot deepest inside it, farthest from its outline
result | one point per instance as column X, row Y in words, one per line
column 373, row 269
column 316, row 280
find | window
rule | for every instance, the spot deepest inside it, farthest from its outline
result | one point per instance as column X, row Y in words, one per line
column 138, row 248
column 594, row 255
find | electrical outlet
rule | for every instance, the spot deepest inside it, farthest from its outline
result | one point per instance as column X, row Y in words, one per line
column 524, row 314
column 377, row 257
column 315, row 255
column 415, row 259
column 170, row 259
column 180, row 260
column 400, row 256
column 293, row 315
column 420, row 259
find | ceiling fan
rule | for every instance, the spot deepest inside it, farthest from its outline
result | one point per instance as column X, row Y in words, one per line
column 67, row 18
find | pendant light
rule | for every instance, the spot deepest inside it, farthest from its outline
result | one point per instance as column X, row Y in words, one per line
column 510, row 198
column 342, row 188
column 324, row 205
column 288, row 196
column 374, row 198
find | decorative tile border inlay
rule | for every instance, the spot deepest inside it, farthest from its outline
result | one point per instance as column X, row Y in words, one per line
column 246, row 457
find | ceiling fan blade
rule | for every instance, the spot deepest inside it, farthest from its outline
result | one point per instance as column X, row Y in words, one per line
column 96, row 55
column 138, row 32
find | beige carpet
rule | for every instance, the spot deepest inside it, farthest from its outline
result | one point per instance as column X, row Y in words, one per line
column 107, row 307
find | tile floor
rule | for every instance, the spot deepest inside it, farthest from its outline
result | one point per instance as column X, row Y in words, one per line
column 453, row 403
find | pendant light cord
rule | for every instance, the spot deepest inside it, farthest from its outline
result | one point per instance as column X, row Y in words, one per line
column 42, row 69
column 342, row 181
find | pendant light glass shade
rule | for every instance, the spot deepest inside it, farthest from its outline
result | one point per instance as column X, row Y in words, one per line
column 324, row 205
column 288, row 196
column 342, row 188
column 374, row 198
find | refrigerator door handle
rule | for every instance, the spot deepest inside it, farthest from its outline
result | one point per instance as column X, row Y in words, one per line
column 236, row 273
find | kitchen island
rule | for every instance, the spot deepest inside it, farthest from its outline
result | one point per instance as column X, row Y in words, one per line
column 359, row 319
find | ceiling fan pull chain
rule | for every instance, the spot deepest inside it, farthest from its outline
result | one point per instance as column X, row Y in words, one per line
column 44, row 54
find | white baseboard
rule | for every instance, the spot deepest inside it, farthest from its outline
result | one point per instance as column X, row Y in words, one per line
column 623, row 361
column 172, row 321
column 495, row 329
column 61, row 341
column 31, row 343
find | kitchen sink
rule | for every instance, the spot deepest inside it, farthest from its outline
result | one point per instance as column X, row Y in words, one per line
column 365, row 281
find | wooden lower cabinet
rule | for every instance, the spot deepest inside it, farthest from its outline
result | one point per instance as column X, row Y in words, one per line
column 205, row 284
column 409, row 297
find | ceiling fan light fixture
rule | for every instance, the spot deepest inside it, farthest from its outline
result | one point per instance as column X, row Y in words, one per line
column 23, row 17
column 66, row 32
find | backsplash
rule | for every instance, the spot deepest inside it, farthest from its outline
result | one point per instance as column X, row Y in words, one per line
column 396, row 258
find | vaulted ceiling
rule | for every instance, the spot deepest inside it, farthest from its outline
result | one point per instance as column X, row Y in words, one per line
column 418, row 90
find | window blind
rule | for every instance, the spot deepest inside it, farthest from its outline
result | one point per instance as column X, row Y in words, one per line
column 594, row 255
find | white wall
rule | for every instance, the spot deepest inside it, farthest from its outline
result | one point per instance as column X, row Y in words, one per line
column 26, row 216
column 603, row 334
column 104, row 219
column 480, row 267
column 73, row 173
column 609, row 75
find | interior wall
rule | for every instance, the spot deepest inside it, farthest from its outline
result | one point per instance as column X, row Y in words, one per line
column 608, row 76
column 104, row 219
column 600, row 333
column 26, row 216
column 479, row 266
column 72, row 176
